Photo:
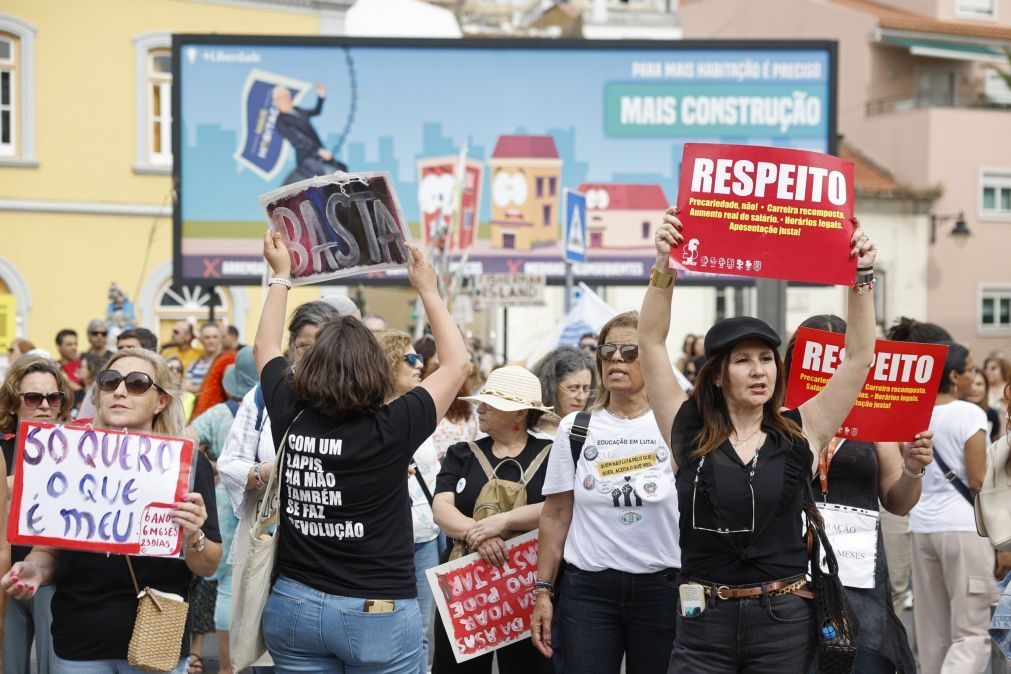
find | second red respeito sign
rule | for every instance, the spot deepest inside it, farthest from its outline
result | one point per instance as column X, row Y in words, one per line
column 766, row 212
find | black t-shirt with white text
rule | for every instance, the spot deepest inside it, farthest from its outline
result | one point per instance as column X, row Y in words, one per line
column 346, row 525
column 95, row 603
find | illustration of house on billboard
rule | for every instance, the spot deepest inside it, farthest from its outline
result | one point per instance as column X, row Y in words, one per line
column 436, row 180
column 622, row 215
column 526, row 174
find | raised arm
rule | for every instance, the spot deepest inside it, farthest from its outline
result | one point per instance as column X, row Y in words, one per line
column 267, row 343
column 823, row 414
column 662, row 388
column 454, row 361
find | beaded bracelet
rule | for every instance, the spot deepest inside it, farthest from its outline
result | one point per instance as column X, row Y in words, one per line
column 543, row 590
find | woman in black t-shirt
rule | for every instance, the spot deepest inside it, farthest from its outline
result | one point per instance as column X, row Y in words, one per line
column 507, row 410
column 742, row 467
column 95, row 603
column 34, row 389
column 345, row 594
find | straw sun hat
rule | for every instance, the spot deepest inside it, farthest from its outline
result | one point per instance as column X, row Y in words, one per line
column 511, row 389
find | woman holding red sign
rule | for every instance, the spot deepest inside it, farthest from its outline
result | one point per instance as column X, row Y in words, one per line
column 95, row 602
column 743, row 468
column 860, row 475
column 34, row 389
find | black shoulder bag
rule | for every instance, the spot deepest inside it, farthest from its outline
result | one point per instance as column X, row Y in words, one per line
column 836, row 625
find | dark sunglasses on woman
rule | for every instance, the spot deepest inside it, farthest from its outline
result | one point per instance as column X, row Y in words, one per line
column 414, row 359
column 629, row 352
column 137, row 383
column 33, row 399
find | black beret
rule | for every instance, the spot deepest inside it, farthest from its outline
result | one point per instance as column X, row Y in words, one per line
column 724, row 334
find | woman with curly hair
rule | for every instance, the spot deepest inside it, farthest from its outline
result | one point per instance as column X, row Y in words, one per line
column 34, row 389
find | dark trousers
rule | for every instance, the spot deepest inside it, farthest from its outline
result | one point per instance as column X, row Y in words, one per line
column 752, row 636
column 608, row 615
column 520, row 657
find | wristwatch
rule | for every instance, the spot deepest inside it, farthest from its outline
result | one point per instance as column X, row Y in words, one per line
column 660, row 279
column 201, row 541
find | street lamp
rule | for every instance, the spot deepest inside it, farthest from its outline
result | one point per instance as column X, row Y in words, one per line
column 960, row 232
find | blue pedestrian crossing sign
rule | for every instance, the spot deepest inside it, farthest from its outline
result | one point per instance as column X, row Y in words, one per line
column 574, row 243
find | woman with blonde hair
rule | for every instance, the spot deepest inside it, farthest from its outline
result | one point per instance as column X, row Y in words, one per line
column 611, row 514
column 34, row 389
column 95, row 602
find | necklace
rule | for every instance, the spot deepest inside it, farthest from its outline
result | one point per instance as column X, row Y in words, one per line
column 745, row 440
column 630, row 417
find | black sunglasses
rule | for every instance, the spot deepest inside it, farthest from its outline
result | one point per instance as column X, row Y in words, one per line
column 137, row 383
column 629, row 352
column 97, row 333
column 414, row 359
column 34, row 399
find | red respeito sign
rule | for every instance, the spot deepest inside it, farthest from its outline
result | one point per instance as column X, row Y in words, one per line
column 485, row 607
column 898, row 396
column 766, row 212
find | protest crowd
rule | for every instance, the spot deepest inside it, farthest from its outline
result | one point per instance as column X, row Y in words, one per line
column 682, row 507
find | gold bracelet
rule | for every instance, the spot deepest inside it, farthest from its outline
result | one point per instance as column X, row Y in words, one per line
column 660, row 279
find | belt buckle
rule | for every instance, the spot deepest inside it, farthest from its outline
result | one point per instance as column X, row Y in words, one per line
column 719, row 592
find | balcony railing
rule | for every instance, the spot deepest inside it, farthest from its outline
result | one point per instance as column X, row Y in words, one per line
column 903, row 103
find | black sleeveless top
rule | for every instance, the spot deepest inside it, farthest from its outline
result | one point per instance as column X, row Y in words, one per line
column 766, row 539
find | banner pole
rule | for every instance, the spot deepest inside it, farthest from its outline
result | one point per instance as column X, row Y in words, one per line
column 569, row 283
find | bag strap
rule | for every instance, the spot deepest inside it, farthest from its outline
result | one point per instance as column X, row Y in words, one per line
column 233, row 407
column 536, row 464
column 424, row 485
column 489, row 472
column 577, row 435
column 133, row 576
column 273, row 485
column 952, row 479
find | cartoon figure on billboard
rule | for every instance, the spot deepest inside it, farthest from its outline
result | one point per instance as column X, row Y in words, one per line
column 436, row 184
column 526, row 185
column 691, row 253
column 621, row 215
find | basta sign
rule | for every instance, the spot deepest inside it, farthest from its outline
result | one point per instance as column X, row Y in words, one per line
column 97, row 489
column 339, row 225
column 485, row 607
column 898, row 396
column 766, row 212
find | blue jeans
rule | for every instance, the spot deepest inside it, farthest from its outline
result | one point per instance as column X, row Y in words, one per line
column 29, row 620
column 310, row 631
column 765, row 634
column 426, row 555
column 606, row 615
column 1000, row 626
column 104, row 667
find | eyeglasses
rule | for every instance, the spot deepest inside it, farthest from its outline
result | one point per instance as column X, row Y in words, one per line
column 592, row 348
column 98, row 333
column 576, row 389
column 34, row 399
column 718, row 515
column 629, row 352
column 414, row 359
column 137, row 383
column 302, row 348
column 176, row 368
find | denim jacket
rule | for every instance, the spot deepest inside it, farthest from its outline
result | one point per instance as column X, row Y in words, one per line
column 1000, row 627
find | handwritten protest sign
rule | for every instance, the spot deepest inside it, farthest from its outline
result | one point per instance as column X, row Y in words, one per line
column 509, row 290
column 898, row 396
column 766, row 212
column 99, row 490
column 339, row 225
column 485, row 607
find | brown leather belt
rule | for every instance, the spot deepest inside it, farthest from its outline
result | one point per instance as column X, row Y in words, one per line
column 774, row 589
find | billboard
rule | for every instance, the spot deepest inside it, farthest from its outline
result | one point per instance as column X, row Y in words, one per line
column 480, row 138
